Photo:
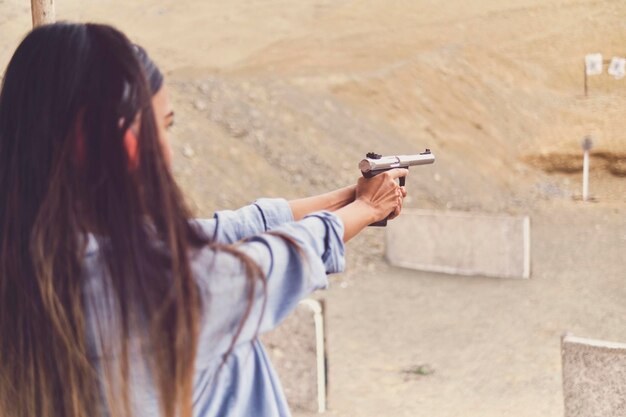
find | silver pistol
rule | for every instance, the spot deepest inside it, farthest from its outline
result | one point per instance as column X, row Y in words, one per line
column 375, row 164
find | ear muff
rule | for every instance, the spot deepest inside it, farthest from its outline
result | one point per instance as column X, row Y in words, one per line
column 130, row 143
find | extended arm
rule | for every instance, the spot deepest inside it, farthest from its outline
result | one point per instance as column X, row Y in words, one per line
column 330, row 201
column 294, row 259
column 355, row 205
column 229, row 226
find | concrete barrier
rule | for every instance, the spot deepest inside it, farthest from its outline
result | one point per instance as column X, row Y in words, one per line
column 297, row 350
column 594, row 377
column 460, row 243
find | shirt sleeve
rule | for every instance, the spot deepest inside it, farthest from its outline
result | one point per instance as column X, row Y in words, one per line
column 230, row 226
column 294, row 259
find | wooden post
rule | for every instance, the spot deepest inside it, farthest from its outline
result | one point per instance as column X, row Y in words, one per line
column 43, row 12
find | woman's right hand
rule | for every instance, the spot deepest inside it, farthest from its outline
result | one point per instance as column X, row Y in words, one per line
column 382, row 193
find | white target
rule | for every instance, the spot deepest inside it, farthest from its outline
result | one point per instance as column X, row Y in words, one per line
column 593, row 64
column 617, row 67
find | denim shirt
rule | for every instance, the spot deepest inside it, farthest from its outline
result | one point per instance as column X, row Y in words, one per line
column 246, row 384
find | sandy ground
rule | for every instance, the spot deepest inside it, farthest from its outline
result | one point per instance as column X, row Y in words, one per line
column 494, row 345
column 282, row 98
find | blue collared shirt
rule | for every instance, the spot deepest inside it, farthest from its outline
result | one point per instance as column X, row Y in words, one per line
column 246, row 385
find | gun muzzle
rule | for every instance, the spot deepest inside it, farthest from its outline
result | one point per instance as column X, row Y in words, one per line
column 375, row 164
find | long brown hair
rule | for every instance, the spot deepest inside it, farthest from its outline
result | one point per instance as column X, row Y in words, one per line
column 69, row 93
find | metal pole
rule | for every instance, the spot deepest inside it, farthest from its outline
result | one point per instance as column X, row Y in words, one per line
column 43, row 12
column 587, row 143
column 585, row 175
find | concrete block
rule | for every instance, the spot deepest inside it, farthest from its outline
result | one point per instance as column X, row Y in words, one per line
column 594, row 377
column 297, row 350
column 460, row 243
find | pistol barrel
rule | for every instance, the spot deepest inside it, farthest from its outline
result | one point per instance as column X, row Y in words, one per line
column 396, row 161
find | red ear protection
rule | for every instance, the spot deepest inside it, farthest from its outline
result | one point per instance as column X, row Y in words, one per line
column 130, row 142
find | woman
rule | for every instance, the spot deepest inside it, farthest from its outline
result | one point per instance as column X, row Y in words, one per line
column 113, row 300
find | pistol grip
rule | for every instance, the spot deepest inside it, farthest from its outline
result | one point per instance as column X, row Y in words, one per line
column 401, row 180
